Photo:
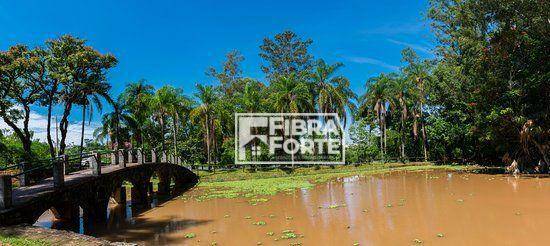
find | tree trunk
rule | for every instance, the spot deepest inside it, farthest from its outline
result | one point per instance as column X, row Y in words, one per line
column 64, row 124
column 381, row 135
column 402, row 137
column 424, row 140
column 48, row 128
column 82, row 129
column 162, row 132
column 291, row 137
column 117, row 128
column 207, row 122
column 175, row 137
column 27, row 141
column 385, row 136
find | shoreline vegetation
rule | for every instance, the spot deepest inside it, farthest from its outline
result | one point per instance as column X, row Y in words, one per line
column 260, row 183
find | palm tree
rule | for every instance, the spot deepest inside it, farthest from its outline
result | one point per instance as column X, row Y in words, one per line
column 116, row 126
column 252, row 97
column 251, row 101
column 180, row 109
column 376, row 100
column 333, row 92
column 91, row 93
column 417, row 72
column 402, row 92
column 162, row 103
column 135, row 100
column 289, row 95
column 205, row 112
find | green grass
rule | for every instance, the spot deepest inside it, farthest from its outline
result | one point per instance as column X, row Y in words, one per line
column 21, row 241
column 244, row 183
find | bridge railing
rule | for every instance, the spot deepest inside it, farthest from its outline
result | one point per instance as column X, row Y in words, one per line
column 57, row 168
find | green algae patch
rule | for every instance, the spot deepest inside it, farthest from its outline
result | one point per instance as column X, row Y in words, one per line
column 259, row 223
column 255, row 187
column 253, row 184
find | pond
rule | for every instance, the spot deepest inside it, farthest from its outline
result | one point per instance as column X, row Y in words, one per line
column 397, row 208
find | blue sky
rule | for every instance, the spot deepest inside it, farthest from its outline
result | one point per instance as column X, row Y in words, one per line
column 174, row 42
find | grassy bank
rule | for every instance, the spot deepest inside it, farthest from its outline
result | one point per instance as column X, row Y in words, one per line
column 22, row 241
column 259, row 184
column 22, row 235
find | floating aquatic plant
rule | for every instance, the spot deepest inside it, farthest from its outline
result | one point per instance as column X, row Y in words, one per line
column 259, row 223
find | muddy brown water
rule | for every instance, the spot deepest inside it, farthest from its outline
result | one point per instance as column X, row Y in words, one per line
column 398, row 208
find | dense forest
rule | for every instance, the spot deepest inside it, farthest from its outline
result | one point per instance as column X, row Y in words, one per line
column 483, row 98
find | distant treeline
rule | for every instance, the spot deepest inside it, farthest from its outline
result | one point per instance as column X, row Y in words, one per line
column 484, row 97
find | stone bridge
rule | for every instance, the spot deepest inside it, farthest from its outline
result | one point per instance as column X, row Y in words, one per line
column 91, row 189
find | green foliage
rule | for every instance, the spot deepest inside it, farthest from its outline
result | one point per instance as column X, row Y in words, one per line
column 12, row 152
column 491, row 79
column 286, row 54
column 21, row 241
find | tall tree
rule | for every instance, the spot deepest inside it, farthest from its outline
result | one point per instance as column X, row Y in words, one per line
column 418, row 72
column 376, row 100
column 163, row 105
column 332, row 91
column 49, row 97
column 116, row 126
column 402, row 92
column 22, row 77
column 497, row 48
column 91, row 95
column 78, row 68
column 134, row 100
column 290, row 95
column 230, row 74
column 205, row 112
column 286, row 54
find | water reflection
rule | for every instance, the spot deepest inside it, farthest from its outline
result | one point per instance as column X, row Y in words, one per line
column 390, row 209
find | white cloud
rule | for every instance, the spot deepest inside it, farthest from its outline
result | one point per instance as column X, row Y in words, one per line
column 372, row 61
column 38, row 123
column 414, row 46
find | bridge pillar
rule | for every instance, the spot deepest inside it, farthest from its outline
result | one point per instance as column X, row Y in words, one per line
column 95, row 164
column 164, row 183
column 96, row 213
column 24, row 178
column 114, row 160
column 66, row 211
column 139, row 193
column 95, row 210
column 163, row 159
column 119, row 195
column 121, row 160
column 140, row 156
column 5, row 191
column 130, row 154
column 59, row 171
column 153, row 156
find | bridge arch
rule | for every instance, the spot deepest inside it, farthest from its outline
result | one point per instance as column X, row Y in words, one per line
column 91, row 191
